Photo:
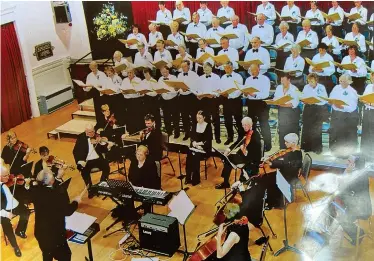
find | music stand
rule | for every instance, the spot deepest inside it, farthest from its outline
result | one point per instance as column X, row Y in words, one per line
column 181, row 175
column 286, row 190
column 181, row 208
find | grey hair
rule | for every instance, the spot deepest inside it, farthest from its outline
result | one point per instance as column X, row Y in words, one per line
column 247, row 120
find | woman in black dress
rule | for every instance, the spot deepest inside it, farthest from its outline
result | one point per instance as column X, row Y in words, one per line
column 200, row 147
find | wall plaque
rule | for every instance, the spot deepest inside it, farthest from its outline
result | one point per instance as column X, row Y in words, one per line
column 43, row 51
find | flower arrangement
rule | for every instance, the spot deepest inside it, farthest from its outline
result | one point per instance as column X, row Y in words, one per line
column 109, row 23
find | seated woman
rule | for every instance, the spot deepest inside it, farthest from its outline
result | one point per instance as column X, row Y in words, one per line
column 201, row 145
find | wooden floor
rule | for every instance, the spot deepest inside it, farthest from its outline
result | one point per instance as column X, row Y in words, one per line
column 204, row 196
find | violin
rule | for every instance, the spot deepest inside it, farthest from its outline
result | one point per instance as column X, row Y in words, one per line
column 58, row 163
column 21, row 146
column 111, row 121
column 96, row 139
column 210, row 246
column 265, row 168
column 248, row 137
column 15, row 179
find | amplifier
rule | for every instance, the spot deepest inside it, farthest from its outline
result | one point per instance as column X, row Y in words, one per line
column 159, row 234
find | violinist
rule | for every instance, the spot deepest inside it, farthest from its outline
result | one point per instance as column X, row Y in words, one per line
column 106, row 122
column 152, row 138
column 44, row 163
column 9, row 208
column 249, row 153
column 15, row 153
column 88, row 154
column 289, row 162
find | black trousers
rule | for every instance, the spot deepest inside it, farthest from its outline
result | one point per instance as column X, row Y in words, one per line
column 165, row 30
column 23, row 214
column 233, row 108
column 343, row 132
column 293, row 29
column 288, row 122
column 216, row 50
column 327, row 82
column 99, row 163
column 337, row 31
column 359, row 84
column 193, row 166
column 187, row 105
column 298, row 82
column 152, row 106
column 211, row 107
column 192, row 48
column 281, row 59
column 134, row 114
column 319, row 31
column 313, row 116
column 258, row 111
column 61, row 252
column 367, row 137
column 170, row 110
column 227, row 168
column 307, row 53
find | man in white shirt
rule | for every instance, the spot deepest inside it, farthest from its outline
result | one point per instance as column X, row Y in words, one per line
column 194, row 28
column 257, row 108
column 187, row 100
column 293, row 11
column 260, row 53
column 324, row 73
column 162, row 53
column 213, row 32
column 205, row 14
column 203, row 48
column 360, row 10
column 163, row 17
column 225, row 11
column 142, row 57
column 231, row 53
column 232, row 103
column 337, row 24
column 263, row 30
column 356, row 36
column 169, row 104
column 240, row 43
column 138, row 36
column 182, row 12
column 153, row 37
column 176, row 37
column 268, row 10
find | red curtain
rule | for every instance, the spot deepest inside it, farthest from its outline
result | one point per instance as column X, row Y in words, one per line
column 15, row 101
column 144, row 11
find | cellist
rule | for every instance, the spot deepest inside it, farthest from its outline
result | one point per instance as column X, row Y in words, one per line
column 249, row 153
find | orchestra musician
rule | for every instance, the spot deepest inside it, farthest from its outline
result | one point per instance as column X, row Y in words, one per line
column 367, row 136
column 58, row 172
column 87, row 153
column 200, row 147
column 313, row 115
column 289, row 162
column 289, row 113
column 107, row 123
column 15, row 153
column 152, row 138
column 249, row 153
column 10, row 207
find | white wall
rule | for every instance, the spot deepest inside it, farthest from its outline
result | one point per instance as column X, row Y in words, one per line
column 34, row 22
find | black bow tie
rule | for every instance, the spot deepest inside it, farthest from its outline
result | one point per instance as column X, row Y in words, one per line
column 195, row 25
column 208, row 76
column 261, row 26
column 225, row 50
column 235, row 27
column 215, row 29
column 255, row 50
column 228, row 75
column 255, row 77
column 166, row 79
column 185, row 74
column 201, row 50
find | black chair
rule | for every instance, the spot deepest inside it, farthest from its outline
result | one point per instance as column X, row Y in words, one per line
column 304, row 172
column 207, row 156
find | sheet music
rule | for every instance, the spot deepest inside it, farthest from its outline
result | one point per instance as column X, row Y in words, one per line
column 79, row 222
column 181, row 207
column 227, row 159
column 284, row 186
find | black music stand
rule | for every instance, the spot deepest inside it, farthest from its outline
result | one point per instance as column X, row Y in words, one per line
column 181, row 208
column 181, row 175
column 286, row 190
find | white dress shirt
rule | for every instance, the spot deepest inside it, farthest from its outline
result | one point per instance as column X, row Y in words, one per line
column 242, row 32
column 233, row 56
column 360, row 64
column 154, row 37
column 128, row 84
column 208, row 84
column 177, row 38
column 189, row 78
column 92, row 154
column 187, row 57
column 165, row 55
column 293, row 12
column 262, row 54
column 267, row 9
column 185, row 13
column 265, row 32
column 318, row 91
column 372, row 65
column 348, row 95
column 172, row 92
column 227, row 82
column 363, row 12
column 316, row 14
column 212, row 34
column 292, row 91
column 95, row 80
column 140, row 37
column 333, row 41
column 369, row 89
column 328, row 71
column 293, row 64
column 287, row 38
column 371, row 19
column 311, row 36
column 149, row 85
column 227, row 12
column 144, row 60
column 206, row 16
column 113, row 84
column 11, row 203
column 199, row 29
column 123, row 61
column 200, row 52
column 359, row 39
column 261, row 83
column 340, row 11
column 164, row 17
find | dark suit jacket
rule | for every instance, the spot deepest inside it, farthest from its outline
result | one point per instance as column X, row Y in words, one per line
column 145, row 176
column 289, row 165
column 154, row 144
column 253, row 157
column 80, row 150
column 51, row 206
